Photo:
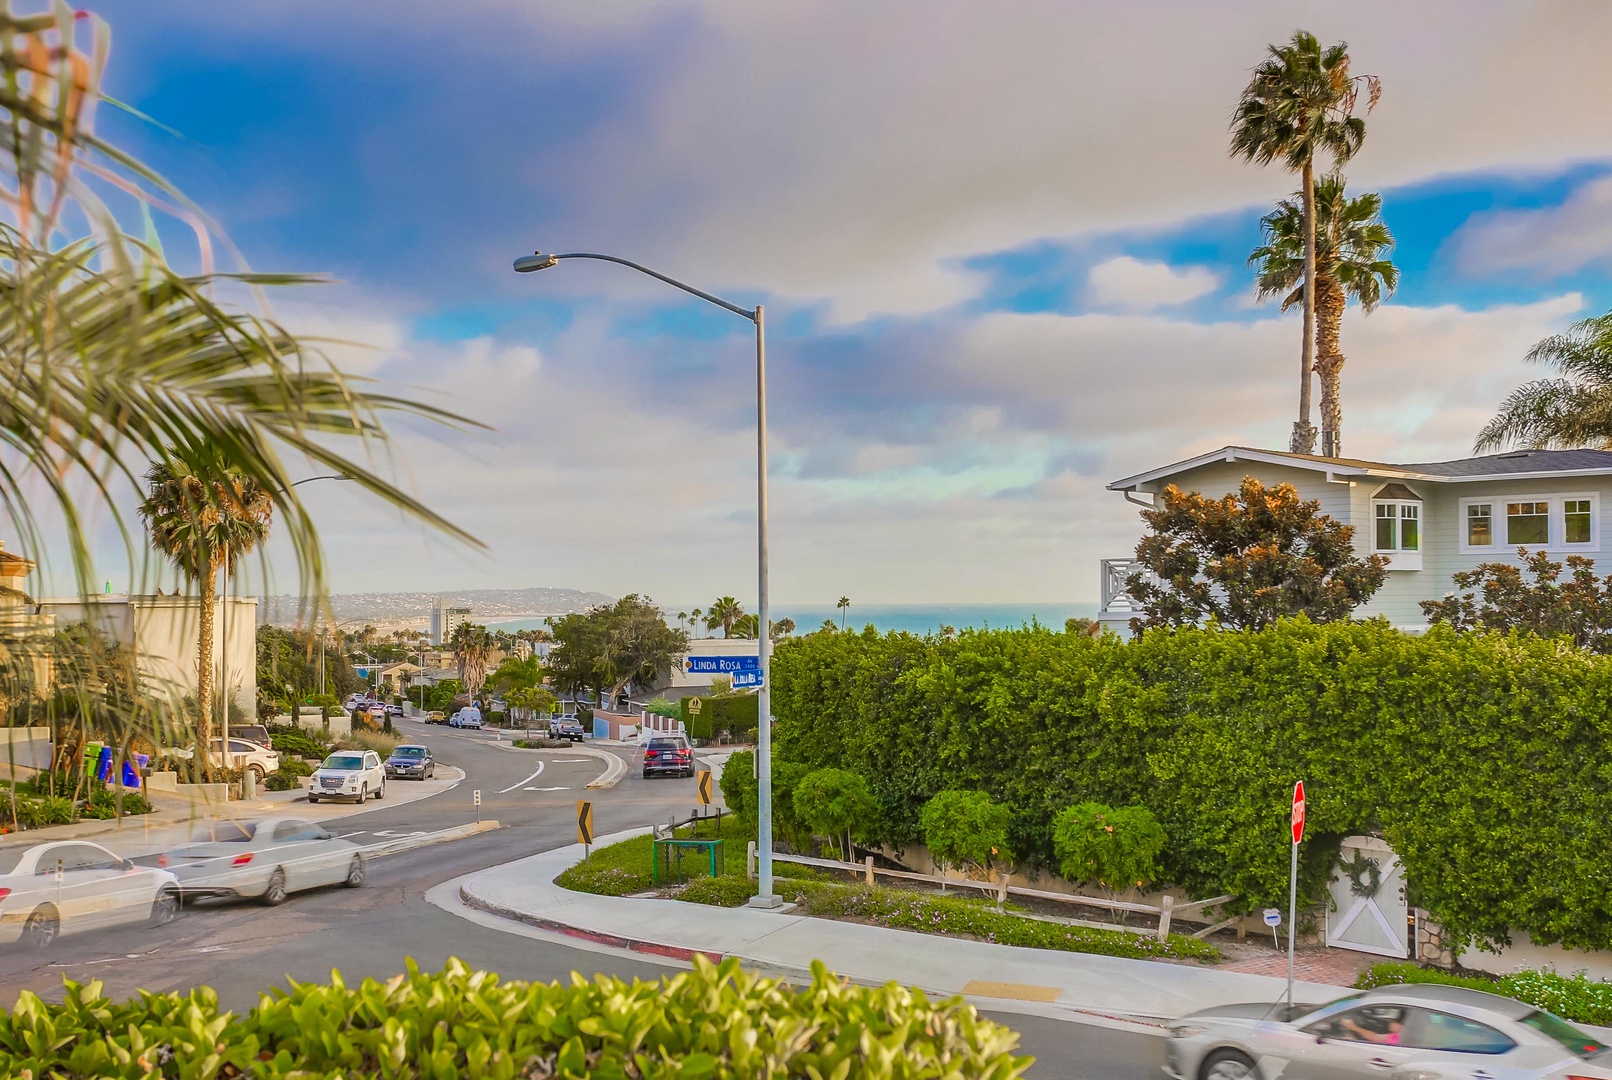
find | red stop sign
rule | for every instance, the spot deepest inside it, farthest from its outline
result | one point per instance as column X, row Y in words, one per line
column 1298, row 811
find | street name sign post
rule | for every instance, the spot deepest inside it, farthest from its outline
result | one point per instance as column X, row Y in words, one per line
column 720, row 665
column 744, row 680
column 1297, row 822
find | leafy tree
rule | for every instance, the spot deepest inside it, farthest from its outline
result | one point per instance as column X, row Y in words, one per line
column 1351, row 261
column 1571, row 409
column 611, row 647
column 1579, row 608
column 724, row 612
column 515, row 672
column 440, row 697
column 835, row 804
column 531, row 700
column 965, row 830
column 472, row 648
column 1298, row 107
column 1246, row 560
column 1117, row 848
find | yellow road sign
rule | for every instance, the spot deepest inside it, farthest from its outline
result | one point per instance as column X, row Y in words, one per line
column 584, row 822
column 704, row 776
column 694, row 706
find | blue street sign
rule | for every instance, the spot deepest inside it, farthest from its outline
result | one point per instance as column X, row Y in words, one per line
column 720, row 665
column 743, row 680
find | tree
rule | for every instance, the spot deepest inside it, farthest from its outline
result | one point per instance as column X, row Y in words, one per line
column 1299, row 106
column 1117, row 848
column 724, row 612
column 204, row 515
column 782, row 628
column 530, row 700
column 1351, row 261
column 1579, row 608
column 517, row 673
column 695, row 617
column 836, row 804
column 472, row 649
column 1246, row 560
column 1572, row 409
column 844, row 605
column 744, row 627
column 612, row 646
column 965, row 830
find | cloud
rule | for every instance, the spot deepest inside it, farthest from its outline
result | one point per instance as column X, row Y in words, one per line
column 1135, row 285
column 1560, row 239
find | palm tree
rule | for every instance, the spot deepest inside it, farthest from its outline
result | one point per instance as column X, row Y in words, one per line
column 1351, row 261
column 682, row 619
column 782, row 628
column 695, row 615
column 203, row 516
column 724, row 612
column 1572, row 409
column 472, row 648
column 844, row 605
column 1298, row 106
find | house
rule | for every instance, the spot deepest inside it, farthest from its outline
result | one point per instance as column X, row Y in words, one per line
column 1430, row 520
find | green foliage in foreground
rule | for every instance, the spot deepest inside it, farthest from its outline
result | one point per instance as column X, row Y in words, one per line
column 716, row 1022
column 1575, row 997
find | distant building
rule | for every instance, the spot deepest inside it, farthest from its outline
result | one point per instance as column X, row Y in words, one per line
column 445, row 620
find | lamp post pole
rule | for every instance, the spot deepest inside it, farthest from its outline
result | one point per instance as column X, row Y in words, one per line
column 766, row 898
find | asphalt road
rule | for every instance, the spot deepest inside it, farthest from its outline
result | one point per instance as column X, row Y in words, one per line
column 241, row 950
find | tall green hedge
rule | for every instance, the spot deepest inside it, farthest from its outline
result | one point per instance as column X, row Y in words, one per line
column 1485, row 760
column 734, row 713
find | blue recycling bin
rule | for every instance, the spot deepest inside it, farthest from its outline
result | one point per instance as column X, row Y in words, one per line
column 131, row 770
column 103, row 766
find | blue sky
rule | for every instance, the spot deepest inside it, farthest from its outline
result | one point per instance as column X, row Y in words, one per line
column 1002, row 264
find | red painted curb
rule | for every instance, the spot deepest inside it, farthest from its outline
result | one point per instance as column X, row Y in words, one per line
column 614, row 941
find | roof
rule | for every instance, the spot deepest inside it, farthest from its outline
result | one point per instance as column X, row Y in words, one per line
column 1514, row 464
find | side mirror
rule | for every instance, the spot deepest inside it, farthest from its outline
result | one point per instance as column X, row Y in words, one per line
column 128, row 864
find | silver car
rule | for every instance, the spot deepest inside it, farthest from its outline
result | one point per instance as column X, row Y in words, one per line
column 1414, row 1032
column 267, row 860
column 73, row 885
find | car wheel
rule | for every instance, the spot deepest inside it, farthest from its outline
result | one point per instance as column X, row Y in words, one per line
column 313, row 798
column 363, row 795
column 165, row 908
column 646, row 774
column 42, row 927
column 274, row 892
column 1227, row 1065
column 258, row 774
column 380, row 792
column 355, row 873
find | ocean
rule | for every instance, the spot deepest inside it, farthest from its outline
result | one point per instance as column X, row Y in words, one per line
column 913, row 618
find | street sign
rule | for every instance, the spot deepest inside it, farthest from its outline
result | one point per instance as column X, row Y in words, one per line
column 1298, row 811
column 584, row 822
column 694, row 706
column 743, row 680
column 1273, row 917
column 720, row 665
column 704, row 776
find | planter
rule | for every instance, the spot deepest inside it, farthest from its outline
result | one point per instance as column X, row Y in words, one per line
column 161, row 781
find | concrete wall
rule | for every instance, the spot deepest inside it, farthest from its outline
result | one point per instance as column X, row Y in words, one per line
column 24, row 748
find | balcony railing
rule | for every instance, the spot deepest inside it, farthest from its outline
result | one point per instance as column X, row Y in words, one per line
column 1115, row 572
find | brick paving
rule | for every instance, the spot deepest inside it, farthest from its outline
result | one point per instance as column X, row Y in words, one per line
column 1339, row 967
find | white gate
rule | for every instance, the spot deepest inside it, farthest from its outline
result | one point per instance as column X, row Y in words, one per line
column 1368, row 895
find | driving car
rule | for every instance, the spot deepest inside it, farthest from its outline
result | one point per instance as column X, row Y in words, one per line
column 72, row 885
column 1410, row 1032
column 566, row 727
column 376, row 709
column 348, row 774
column 435, row 717
column 467, row 717
column 668, row 754
column 411, row 760
column 266, row 860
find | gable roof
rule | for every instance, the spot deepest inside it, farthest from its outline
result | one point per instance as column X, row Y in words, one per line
column 1514, row 464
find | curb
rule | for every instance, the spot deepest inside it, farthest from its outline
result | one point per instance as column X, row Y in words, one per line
column 613, row 941
column 409, row 843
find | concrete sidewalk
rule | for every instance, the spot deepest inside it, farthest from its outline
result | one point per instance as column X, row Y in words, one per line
column 1109, row 986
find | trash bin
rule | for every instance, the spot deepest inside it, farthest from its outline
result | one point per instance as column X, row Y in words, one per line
column 92, row 754
column 131, row 770
column 103, row 765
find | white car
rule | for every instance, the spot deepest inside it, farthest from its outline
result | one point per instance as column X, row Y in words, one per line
column 467, row 717
column 258, row 760
column 348, row 774
column 71, row 886
column 267, row 860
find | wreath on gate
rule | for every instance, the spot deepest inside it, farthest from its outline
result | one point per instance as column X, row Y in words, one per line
column 1365, row 875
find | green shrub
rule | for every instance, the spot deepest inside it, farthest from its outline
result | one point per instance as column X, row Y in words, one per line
column 723, row 891
column 1574, row 997
column 738, row 784
column 965, row 829
column 732, row 713
column 835, row 804
column 714, row 1021
column 440, row 697
column 542, row 744
column 303, row 743
column 295, row 767
column 1115, row 848
column 104, row 803
column 40, row 812
column 281, row 780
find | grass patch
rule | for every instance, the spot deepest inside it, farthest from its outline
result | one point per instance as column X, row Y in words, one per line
column 1575, row 997
column 624, row 868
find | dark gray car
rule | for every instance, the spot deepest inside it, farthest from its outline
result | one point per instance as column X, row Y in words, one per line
column 411, row 762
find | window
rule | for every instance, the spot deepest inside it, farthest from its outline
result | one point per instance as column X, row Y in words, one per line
column 1559, row 522
column 1576, row 518
column 1369, row 1023
column 1428, row 1030
column 1528, row 523
column 1480, row 525
column 1387, row 526
column 1564, row 1033
column 1397, row 523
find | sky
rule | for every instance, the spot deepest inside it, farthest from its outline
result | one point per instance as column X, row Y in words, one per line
column 1001, row 249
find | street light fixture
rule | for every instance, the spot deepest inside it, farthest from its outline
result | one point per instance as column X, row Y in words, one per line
column 527, row 264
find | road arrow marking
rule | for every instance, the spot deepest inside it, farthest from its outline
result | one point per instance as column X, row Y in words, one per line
column 528, row 780
column 389, row 832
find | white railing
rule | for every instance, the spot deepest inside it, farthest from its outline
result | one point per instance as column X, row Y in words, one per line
column 1115, row 572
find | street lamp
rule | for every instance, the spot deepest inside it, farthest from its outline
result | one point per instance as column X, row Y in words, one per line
column 527, row 264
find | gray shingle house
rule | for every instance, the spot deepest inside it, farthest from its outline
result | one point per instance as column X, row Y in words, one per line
column 1430, row 519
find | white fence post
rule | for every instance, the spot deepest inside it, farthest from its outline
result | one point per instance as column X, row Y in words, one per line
column 750, row 861
column 1001, row 894
column 1166, row 905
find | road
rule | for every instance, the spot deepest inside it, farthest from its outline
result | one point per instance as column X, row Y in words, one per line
column 241, row 950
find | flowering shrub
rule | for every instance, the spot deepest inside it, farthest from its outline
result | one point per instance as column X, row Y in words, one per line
column 1574, row 997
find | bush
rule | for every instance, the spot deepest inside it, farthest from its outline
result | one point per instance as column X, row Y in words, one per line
column 282, row 780
column 732, row 713
column 378, row 741
column 1114, row 848
column 738, row 784
column 1574, row 997
column 303, row 743
column 440, row 697
column 835, row 804
column 542, row 744
column 104, row 804
column 712, row 1021
column 965, row 829
column 723, row 891
column 38, row 813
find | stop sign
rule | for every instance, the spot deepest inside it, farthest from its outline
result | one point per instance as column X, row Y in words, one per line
column 1298, row 811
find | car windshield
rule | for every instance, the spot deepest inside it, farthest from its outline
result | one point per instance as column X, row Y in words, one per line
column 1295, row 1014
column 409, row 751
column 1564, row 1033
column 665, row 744
column 352, row 762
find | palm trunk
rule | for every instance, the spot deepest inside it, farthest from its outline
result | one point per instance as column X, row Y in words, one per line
column 1329, row 363
column 204, row 672
column 1303, row 431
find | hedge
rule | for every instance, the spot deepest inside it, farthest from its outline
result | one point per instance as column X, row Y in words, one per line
column 1575, row 997
column 715, row 1021
column 735, row 714
column 1484, row 759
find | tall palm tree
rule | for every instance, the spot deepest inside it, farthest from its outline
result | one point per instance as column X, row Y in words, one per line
column 1351, row 261
column 203, row 515
column 1299, row 106
column 682, row 619
column 1570, row 410
column 472, row 647
column 724, row 612
column 695, row 615
column 844, row 605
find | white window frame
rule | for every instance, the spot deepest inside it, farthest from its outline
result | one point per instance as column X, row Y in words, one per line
column 1557, row 518
column 1399, row 559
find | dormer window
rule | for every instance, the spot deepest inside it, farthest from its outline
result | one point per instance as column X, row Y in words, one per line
column 1396, row 513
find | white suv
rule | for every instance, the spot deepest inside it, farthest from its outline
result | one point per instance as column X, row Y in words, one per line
column 349, row 774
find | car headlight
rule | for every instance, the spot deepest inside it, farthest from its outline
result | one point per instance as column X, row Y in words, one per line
column 1186, row 1031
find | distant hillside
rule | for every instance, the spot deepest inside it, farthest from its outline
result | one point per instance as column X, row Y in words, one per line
column 415, row 607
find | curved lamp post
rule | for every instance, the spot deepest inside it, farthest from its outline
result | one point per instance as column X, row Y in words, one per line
column 527, row 264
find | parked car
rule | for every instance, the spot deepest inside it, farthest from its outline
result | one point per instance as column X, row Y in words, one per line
column 668, row 754
column 258, row 760
column 411, row 761
column 467, row 717
column 566, row 727
column 252, row 733
column 435, row 717
column 348, row 774
column 72, row 886
column 267, row 860
column 394, row 710
column 376, row 709
column 1421, row 1030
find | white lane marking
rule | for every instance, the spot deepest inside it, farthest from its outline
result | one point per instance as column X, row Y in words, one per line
column 546, row 789
column 569, row 760
column 528, row 780
column 389, row 832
